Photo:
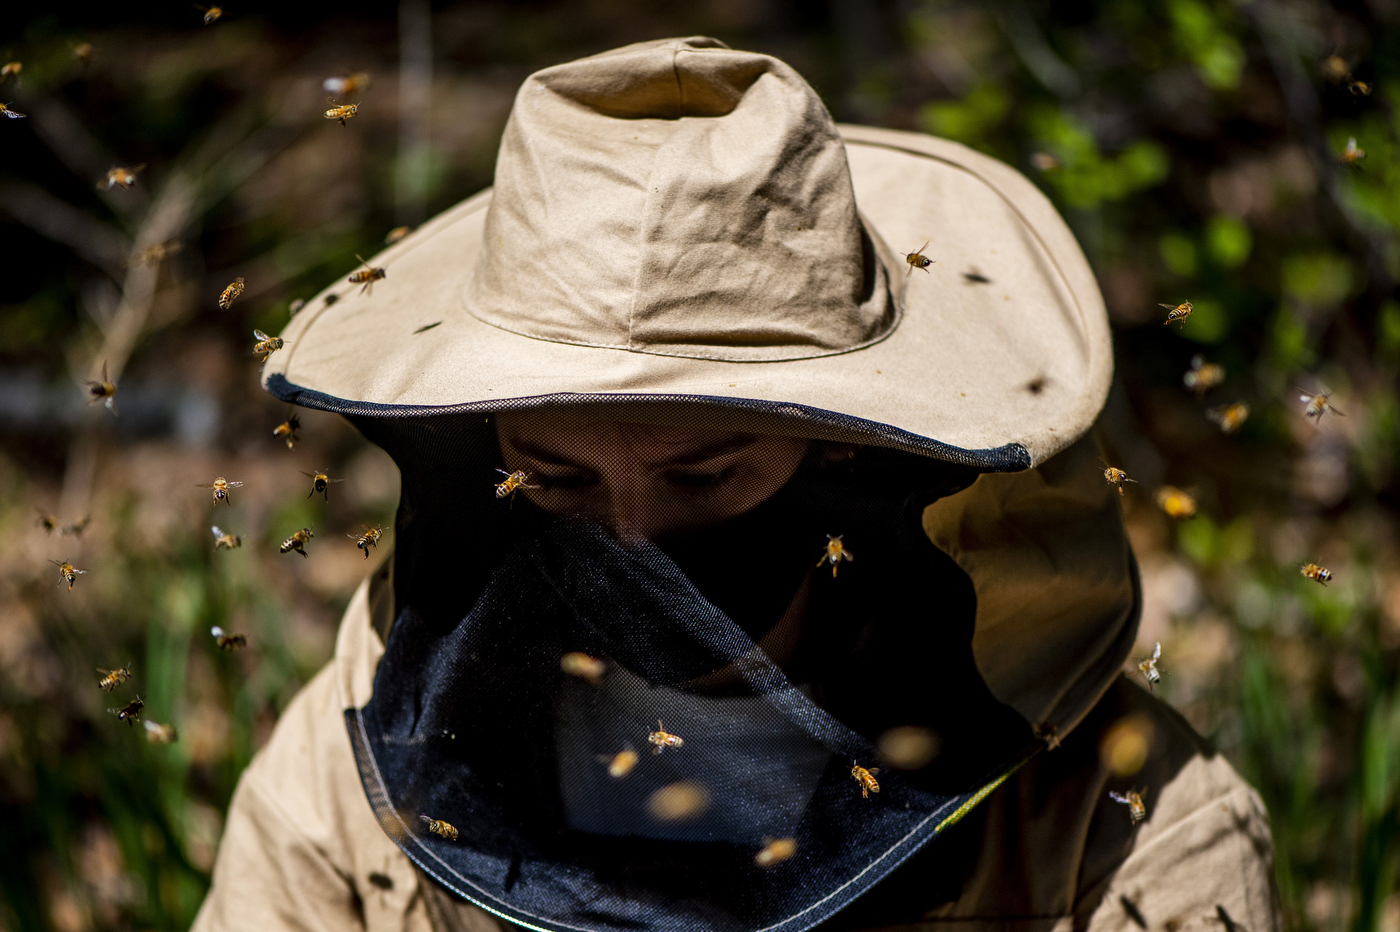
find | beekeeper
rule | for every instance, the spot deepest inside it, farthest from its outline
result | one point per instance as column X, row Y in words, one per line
column 754, row 568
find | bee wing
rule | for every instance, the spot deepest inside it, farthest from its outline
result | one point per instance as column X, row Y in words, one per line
column 1170, row 307
column 80, row 572
column 329, row 479
column 1157, row 652
column 261, row 336
column 872, row 770
column 217, row 631
column 217, row 532
column 1118, row 797
column 235, row 485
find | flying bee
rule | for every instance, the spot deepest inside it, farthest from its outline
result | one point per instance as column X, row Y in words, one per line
column 1230, row 417
column 345, row 85
column 120, row 176
column 1318, row 405
column 514, row 482
column 581, row 665
column 221, row 487
column 45, row 520
column 231, row 293
column 661, row 739
column 1045, row 161
column 131, row 712
column 111, row 679
column 295, row 307
column 296, row 542
column 156, row 253
column 211, row 13
column 67, row 572
column 439, row 827
column 160, row 734
column 76, row 528
column 103, row 391
column 1202, row 376
column 320, row 482
column 835, row 553
column 1047, row 732
column 1178, row 313
column 775, row 851
column 342, row 113
column 1176, row 503
column 1351, row 154
column 11, row 114
column 621, row 764
column 366, row 276
column 266, row 345
column 866, row 778
column 229, row 642
column 917, row 260
column 225, row 541
column 1319, row 573
column 1116, row 477
column 10, row 68
column 1148, row 666
column 396, row 234
column 1359, row 88
column 370, row 538
column 287, row 430
column 1137, row 810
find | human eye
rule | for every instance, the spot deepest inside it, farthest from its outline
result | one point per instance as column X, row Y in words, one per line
column 698, row 480
column 570, row 481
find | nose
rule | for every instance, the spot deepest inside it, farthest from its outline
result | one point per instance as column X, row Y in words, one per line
column 631, row 504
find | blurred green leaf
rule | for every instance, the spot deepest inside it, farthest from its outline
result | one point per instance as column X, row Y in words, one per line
column 1228, row 240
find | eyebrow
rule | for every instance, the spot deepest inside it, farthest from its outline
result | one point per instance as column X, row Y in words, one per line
column 689, row 458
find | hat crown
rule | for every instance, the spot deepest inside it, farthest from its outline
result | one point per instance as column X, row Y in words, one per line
column 680, row 198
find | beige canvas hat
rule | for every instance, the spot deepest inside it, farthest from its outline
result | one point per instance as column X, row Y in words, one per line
column 676, row 222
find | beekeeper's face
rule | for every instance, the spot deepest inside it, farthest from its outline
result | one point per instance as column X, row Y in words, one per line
column 643, row 480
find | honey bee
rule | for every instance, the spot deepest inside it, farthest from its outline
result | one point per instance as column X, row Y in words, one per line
column 83, row 51
column 1148, row 666
column 320, row 482
column 1045, row 162
column 295, row 307
column 1137, row 810
column 1359, row 88
column 1230, row 417
column 866, row 778
column 370, row 538
column 1203, row 376
column 266, row 345
column 76, row 528
column 103, row 391
column 111, row 679
column 583, row 666
column 10, row 113
column 661, row 739
column 439, row 827
column 917, row 260
column 156, row 253
column 1318, row 405
column 775, row 851
column 367, row 276
column 396, row 234
column 67, row 572
column 119, row 176
column 835, row 553
column 211, row 13
column 45, row 520
column 514, row 482
column 345, row 85
column 1351, row 154
column 1048, row 733
column 1178, row 313
column 160, row 734
column 229, row 642
column 131, row 712
column 1116, row 477
column 296, row 542
column 224, row 540
column 221, row 487
column 621, row 764
column 287, row 430
column 342, row 113
column 231, row 293
column 1319, row 573
column 10, row 68
column 1176, row 503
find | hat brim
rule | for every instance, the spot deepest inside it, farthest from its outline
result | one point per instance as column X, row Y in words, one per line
column 1002, row 358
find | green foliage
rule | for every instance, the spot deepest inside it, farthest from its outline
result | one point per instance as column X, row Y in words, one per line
column 1086, row 176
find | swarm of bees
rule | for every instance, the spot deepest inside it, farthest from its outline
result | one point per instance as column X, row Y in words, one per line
column 1177, row 314
column 266, row 345
column 221, row 487
column 1137, row 809
column 120, row 177
column 917, row 260
column 368, row 539
column 865, row 778
column 67, row 572
column 367, row 276
column 102, row 391
column 320, row 482
column 1321, row 574
column 224, row 540
column 297, row 542
column 229, row 642
column 230, row 294
column 834, row 553
column 661, row 739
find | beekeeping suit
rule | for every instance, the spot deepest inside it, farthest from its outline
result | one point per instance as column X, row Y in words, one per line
column 751, row 572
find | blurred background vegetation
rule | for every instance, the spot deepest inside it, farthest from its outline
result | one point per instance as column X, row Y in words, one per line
column 1193, row 145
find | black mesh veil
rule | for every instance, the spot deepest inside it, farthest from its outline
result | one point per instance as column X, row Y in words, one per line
column 578, row 724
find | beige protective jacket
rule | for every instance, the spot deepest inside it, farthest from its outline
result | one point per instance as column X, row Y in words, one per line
column 302, row 849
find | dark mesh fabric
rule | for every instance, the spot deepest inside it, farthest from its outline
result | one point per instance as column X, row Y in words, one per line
column 777, row 675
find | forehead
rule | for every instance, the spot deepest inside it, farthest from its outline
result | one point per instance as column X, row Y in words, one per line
column 581, row 436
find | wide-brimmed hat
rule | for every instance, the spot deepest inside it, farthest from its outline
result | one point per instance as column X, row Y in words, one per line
column 676, row 222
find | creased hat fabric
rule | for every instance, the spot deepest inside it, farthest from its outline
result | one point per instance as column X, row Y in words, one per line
column 673, row 222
